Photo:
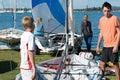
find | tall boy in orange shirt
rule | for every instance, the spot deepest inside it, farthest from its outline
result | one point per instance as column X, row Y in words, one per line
column 110, row 32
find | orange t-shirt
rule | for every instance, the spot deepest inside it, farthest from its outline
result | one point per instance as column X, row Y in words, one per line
column 108, row 27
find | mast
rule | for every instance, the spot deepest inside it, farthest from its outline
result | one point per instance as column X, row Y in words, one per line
column 71, row 21
column 14, row 8
column 3, row 6
column 67, row 26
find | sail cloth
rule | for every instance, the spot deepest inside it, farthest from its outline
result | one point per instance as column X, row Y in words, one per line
column 86, row 55
column 52, row 12
column 87, row 71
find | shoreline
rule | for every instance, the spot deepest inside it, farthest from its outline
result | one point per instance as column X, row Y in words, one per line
column 7, row 47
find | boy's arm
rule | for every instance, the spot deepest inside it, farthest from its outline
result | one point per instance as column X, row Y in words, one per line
column 99, row 42
column 32, row 60
column 115, row 49
column 118, row 36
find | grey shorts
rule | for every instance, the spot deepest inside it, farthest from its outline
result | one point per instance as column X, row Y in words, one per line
column 107, row 55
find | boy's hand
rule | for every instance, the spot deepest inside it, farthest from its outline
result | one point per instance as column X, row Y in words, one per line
column 34, row 74
column 97, row 50
column 115, row 49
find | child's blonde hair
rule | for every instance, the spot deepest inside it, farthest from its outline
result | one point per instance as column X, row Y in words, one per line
column 27, row 22
column 39, row 20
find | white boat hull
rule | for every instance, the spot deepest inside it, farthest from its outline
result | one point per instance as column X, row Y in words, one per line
column 56, row 42
column 10, row 36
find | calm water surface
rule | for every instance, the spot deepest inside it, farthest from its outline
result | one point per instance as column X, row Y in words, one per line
column 6, row 21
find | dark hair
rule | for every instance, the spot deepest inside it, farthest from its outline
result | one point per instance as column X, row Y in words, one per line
column 108, row 5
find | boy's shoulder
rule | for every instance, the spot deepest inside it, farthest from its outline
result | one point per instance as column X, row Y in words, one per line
column 115, row 17
column 27, row 34
column 111, row 16
column 103, row 17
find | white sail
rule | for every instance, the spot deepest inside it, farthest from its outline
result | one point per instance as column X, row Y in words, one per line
column 52, row 12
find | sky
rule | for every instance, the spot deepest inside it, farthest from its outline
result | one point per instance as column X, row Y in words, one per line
column 20, row 3
column 77, row 4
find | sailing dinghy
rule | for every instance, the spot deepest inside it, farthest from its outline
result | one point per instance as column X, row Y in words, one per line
column 11, row 36
column 66, row 67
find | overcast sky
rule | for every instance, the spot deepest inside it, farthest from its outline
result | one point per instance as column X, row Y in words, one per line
column 77, row 3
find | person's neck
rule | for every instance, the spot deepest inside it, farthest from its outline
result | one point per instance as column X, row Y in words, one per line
column 85, row 20
column 109, row 16
column 28, row 30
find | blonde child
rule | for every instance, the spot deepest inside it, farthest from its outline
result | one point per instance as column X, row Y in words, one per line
column 27, row 65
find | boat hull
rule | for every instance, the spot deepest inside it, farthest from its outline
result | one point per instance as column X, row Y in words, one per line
column 10, row 36
column 56, row 42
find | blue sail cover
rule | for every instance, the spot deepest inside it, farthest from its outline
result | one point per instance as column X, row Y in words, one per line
column 52, row 12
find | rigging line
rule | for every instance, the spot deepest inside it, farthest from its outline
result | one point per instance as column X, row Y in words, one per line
column 61, row 46
column 54, row 29
column 72, row 65
column 52, row 62
column 61, row 66
column 51, row 32
column 64, row 55
column 68, row 73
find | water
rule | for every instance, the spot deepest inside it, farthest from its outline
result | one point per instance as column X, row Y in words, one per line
column 7, row 21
